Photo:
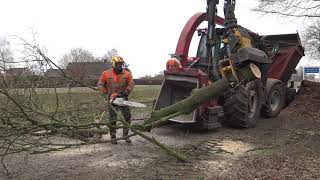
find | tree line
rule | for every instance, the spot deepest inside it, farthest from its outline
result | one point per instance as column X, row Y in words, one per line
column 308, row 10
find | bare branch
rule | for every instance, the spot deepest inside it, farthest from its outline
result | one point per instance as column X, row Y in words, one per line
column 290, row 15
column 291, row 8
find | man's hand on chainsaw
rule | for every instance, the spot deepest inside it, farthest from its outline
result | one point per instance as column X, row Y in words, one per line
column 123, row 94
column 113, row 97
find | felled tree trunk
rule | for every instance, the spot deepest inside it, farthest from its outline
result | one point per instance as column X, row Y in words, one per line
column 200, row 96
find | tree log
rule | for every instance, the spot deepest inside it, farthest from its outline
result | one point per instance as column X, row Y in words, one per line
column 203, row 95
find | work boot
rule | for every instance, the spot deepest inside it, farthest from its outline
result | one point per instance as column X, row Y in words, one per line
column 113, row 138
column 125, row 133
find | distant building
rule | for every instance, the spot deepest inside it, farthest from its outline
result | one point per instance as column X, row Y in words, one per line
column 87, row 70
column 19, row 72
column 15, row 77
column 55, row 73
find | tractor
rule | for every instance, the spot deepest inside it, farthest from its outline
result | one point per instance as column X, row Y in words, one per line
column 221, row 50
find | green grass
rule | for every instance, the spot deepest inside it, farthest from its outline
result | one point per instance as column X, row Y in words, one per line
column 84, row 96
column 65, row 90
column 145, row 93
column 83, row 105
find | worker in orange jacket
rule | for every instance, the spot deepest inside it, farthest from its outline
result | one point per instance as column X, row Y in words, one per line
column 173, row 63
column 113, row 83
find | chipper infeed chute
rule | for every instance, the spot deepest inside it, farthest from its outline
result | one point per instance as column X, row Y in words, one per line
column 174, row 89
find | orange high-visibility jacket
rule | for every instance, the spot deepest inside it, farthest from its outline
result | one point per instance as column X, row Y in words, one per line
column 173, row 63
column 110, row 82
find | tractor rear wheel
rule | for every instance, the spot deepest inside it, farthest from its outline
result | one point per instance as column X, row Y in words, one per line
column 242, row 105
column 274, row 102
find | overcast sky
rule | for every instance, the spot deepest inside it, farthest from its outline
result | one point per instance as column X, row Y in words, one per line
column 143, row 31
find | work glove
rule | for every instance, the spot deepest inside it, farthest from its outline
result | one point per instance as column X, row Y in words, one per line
column 123, row 94
column 113, row 96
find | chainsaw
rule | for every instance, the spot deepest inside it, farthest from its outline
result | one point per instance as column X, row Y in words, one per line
column 123, row 102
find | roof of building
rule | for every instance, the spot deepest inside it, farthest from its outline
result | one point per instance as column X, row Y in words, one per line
column 19, row 71
column 89, row 69
column 55, row 72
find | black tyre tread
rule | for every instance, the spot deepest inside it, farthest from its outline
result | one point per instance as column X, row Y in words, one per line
column 236, row 109
column 266, row 111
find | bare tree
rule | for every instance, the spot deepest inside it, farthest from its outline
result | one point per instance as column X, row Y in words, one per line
column 312, row 40
column 40, row 120
column 6, row 55
column 76, row 61
column 108, row 56
column 293, row 8
column 159, row 76
column 76, row 55
column 307, row 9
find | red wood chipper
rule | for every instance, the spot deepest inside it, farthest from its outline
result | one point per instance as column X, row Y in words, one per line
column 221, row 50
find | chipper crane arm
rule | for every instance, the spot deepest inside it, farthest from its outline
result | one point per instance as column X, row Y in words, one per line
column 222, row 52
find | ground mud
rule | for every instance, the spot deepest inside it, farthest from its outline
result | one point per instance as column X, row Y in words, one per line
column 285, row 147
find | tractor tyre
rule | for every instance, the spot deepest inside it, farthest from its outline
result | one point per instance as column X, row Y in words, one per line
column 242, row 105
column 274, row 102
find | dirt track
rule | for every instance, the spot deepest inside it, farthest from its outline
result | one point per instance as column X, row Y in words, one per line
column 286, row 147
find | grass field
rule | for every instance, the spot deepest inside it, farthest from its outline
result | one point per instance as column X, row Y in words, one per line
column 87, row 104
column 76, row 105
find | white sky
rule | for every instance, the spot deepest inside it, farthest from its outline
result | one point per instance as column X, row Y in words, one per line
column 143, row 31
